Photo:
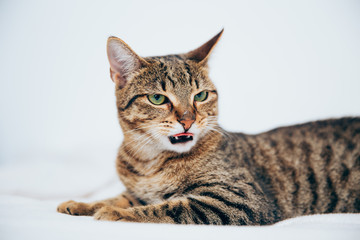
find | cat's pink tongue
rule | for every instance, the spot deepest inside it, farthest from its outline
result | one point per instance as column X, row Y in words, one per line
column 183, row 134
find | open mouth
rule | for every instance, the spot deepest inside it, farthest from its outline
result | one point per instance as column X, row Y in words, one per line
column 181, row 138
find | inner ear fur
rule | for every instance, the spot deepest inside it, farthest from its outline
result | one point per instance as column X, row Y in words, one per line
column 123, row 61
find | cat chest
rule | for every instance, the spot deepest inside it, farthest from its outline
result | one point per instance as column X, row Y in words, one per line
column 159, row 184
column 154, row 189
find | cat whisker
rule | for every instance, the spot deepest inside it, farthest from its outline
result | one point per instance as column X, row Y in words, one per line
column 143, row 142
column 138, row 145
column 140, row 137
column 216, row 128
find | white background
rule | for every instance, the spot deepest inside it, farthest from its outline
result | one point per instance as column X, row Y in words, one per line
column 278, row 63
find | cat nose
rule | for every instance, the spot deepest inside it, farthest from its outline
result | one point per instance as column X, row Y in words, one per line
column 187, row 119
column 186, row 124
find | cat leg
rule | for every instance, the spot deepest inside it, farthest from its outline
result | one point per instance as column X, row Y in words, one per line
column 124, row 200
column 190, row 210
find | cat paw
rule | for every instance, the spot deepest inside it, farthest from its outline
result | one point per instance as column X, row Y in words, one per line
column 76, row 208
column 109, row 213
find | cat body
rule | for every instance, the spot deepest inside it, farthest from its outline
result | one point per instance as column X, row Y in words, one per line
column 179, row 166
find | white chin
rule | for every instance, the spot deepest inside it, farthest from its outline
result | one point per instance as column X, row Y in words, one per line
column 178, row 147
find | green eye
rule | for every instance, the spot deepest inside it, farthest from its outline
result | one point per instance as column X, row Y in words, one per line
column 200, row 97
column 157, row 99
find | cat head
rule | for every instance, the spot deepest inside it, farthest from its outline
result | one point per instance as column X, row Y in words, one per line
column 165, row 103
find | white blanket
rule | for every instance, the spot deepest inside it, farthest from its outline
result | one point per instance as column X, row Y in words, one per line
column 30, row 193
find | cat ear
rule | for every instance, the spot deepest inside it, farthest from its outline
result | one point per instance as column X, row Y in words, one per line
column 123, row 61
column 202, row 53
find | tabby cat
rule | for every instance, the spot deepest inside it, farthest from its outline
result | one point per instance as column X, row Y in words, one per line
column 179, row 166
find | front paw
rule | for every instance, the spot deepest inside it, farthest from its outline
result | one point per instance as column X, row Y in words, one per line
column 109, row 213
column 76, row 208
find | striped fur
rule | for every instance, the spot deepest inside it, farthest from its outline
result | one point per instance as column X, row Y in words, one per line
column 225, row 178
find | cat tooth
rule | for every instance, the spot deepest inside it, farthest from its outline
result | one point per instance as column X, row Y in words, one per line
column 177, row 138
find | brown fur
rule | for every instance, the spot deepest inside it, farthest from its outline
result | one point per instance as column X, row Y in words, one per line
column 225, row 178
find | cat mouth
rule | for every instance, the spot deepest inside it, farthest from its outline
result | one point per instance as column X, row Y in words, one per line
column 181, row 138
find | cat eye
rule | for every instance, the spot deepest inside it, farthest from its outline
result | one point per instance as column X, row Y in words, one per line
column 157, row 99
column 202, row 96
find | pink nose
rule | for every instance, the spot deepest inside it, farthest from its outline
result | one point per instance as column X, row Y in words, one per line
column 187, row 119
column 187, row 123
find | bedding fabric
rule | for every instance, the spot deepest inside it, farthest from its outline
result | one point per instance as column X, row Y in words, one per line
column 30, row 193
